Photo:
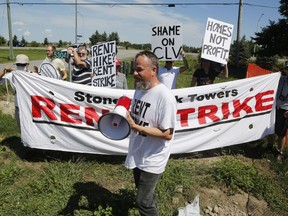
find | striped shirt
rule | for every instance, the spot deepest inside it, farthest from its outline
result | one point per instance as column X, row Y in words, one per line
column 82, row 75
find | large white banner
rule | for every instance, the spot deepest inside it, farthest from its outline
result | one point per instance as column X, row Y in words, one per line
column 60, row 115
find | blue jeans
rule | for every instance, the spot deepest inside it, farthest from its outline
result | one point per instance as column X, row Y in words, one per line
column 146, row 183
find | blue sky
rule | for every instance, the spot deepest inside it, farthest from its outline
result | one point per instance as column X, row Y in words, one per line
column 131, row 22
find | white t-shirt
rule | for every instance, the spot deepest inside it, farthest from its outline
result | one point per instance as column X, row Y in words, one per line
column 168, row 77
column 155, row 108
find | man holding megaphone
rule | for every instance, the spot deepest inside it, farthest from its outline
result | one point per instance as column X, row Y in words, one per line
column 152, row 122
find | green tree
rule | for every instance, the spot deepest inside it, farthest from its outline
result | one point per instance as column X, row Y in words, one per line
column 95, row 38
column 104, row 37
column 46, row 42
column 114, row 36
column 126, row 44
column 283, row 9
column 60, row 43
column 272, row 40
column 2, row 40
column 24, row 41
column 147, row 46
column 244, row 53
column 34, row 44
column 15, row 38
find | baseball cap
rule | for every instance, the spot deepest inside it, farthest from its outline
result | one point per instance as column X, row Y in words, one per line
column 285, row 64
column 22, row 59
column 118, row 63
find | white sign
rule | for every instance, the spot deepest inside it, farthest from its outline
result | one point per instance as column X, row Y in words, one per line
column 217, row 41
column 103, row 64
column 60, row 115
column 167, row 41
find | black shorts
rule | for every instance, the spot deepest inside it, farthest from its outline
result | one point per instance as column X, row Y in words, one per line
column 281, row 123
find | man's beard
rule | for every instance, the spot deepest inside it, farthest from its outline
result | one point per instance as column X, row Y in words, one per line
column 83, row 58
column 140, row 85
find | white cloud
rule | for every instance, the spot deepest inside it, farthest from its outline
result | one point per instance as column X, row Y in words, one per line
column 26, row 33
column 48, row 33
column 20, row 26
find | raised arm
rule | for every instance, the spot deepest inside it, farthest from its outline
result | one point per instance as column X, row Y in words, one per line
column 185, row 66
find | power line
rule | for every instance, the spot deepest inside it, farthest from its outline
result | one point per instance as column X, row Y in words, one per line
column 139, row 4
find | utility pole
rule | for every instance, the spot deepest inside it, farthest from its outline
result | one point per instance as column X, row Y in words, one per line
column 254, row 50
column 76, row 21
column 238, row 32
column 11, row 53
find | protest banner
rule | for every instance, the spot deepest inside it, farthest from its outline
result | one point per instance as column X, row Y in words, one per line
column 104, row 64
column 217, row 41
column 59, row 115
column 167, row 41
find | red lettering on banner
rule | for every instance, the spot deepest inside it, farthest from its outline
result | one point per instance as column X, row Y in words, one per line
column 184, row 116
column 260, row 100
column 91, row 114
column 69, row 113
column 241, row 106
column 225, row 110
column 47, row 108
column 207, row 112
column 74, row 114
column 263, row 101
column 66, row 110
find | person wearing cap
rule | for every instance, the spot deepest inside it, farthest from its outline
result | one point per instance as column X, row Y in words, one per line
column 281, row 122
column 82, row 70
column 121, row 81
column 168, row 74
column 22, row 63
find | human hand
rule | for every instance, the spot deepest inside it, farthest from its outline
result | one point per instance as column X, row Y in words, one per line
column 35, row 69
column 70, row 50
column 130, row 120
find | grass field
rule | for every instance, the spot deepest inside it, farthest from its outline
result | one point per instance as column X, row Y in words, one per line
column 34, row 54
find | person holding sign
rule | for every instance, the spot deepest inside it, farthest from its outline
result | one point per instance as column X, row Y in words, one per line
column 168, row 74
column 207, row 73
column 82, row 71
column 51, row 66
column 152, row 121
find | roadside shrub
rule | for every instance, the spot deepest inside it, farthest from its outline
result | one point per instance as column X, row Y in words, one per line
column 235, row 174
column 241, row 176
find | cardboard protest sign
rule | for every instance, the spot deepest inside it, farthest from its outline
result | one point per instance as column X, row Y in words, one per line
column 166, row 41
column 217, row 40
column 103, row 64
